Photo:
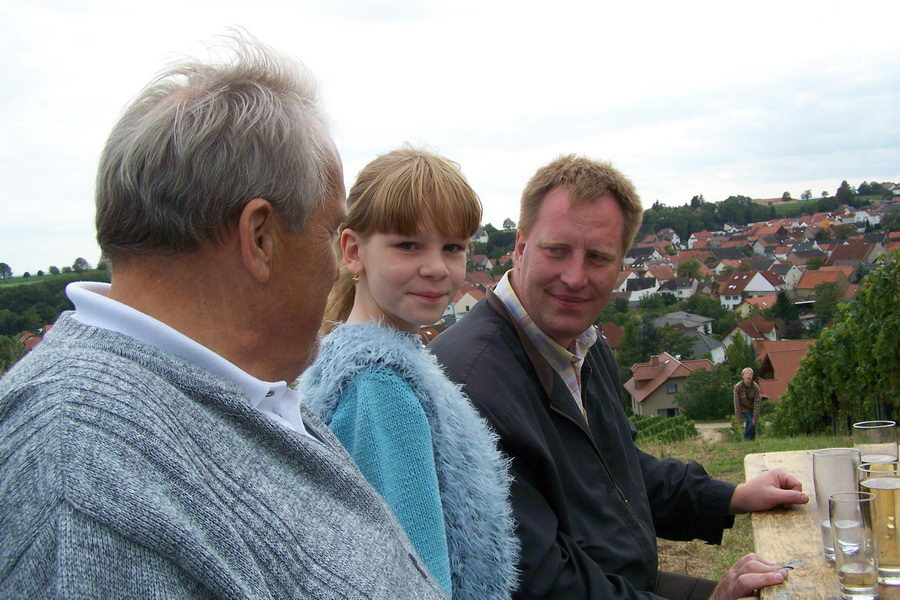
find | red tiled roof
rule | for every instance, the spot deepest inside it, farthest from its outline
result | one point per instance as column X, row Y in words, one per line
column 849, row 252
column 660, row 369
column 755, row 327
column 613, row 333
column 761, row 302
column 763, row 347
column 481, row 277
column 783, row 364
column 810, row 280
column 662, row 272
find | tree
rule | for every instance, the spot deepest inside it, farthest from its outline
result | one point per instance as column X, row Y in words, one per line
column 509, row 223
column 845, row 193
column 696, row 201
column 54, row 270
column 706, row 394
column 806, row 195
column 689, row 268
column 80, row 265
column 738, row 356
column 67, row 269
column 40, row 273
column 676, row 342
column 853, row 370
column 5, row 271
column 786, row 316
column 815, row 263
column 786, row 197
column 824, row 193
column 10, row 351
column 822, row 235
column 827, row 297
column 26, row 274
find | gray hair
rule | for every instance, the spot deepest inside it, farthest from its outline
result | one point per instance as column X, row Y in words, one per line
column 201, row 140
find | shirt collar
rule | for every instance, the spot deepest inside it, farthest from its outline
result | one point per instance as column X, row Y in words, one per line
column 94, row 307
column 547, row 346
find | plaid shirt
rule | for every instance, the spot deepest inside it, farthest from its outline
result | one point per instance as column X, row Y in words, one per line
column 567, row 364
column 747, row 397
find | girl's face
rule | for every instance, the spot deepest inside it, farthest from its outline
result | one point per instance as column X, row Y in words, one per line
column 404, row 281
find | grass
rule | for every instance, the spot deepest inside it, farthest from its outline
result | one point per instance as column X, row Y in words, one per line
column 724, row 461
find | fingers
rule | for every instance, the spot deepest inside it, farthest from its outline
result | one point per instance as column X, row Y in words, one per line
column 786, row 481
column 749, row 573
column 748, row 582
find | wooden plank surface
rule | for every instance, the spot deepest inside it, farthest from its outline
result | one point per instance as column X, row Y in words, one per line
column 791, row 536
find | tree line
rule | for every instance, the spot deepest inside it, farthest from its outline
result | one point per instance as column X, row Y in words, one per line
column 30, row 307
column 80, row 265
column 700, row 215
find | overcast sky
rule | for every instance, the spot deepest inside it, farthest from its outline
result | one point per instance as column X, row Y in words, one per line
column 713, row 98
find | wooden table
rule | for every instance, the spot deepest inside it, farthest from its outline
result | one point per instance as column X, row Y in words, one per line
column 791, row 536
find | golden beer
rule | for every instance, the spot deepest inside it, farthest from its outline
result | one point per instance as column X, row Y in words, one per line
column 885, row 515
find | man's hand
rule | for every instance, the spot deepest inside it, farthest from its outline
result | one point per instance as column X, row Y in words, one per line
column 767, row 490
column 747, row 574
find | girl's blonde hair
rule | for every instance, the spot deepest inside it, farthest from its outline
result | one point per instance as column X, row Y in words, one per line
column 396, row 193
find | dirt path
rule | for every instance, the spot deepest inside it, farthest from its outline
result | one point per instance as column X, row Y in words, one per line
column 714, row 432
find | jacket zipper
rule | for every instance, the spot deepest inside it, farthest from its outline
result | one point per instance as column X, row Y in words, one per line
column 605, row 468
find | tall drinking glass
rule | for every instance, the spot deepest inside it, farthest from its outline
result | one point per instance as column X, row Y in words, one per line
column 834, row 472
column 885, row 518
column 877, row 441
column 854, row 546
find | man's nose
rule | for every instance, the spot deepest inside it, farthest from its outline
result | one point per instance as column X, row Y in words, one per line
column 574, row 274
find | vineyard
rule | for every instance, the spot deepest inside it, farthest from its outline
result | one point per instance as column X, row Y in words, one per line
column 664, row 429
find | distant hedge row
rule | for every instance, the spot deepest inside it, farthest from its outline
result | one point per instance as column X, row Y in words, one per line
column 664, row 429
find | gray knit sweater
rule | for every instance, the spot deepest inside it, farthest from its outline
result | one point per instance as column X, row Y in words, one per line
column 128, row 473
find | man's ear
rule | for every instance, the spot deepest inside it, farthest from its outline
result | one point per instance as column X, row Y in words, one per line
column 350, row 245
column 519, row 248
column 257, row 228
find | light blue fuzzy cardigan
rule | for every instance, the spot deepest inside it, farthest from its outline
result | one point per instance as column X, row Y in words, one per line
column 472, row 475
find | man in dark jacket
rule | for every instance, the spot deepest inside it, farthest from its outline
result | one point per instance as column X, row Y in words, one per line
column 589, row 504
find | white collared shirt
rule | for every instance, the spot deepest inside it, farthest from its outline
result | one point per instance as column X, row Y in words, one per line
column 94, row 307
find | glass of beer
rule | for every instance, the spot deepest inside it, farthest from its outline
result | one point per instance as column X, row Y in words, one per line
column 885, row 518
column 834, row 471
column 854, row 546
column 877, row 441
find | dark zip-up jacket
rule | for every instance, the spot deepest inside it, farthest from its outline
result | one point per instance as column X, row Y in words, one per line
column 588, row 503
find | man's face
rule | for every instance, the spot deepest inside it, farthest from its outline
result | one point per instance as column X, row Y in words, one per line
column 566, row 266
column 748, row 377
column 307, row 272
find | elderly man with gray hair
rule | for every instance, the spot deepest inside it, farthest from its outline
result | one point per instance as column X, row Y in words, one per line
column 151, row 446
column 747, row 403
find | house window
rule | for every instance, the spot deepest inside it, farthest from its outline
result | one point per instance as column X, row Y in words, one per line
column 671, row 387
column 667, row 412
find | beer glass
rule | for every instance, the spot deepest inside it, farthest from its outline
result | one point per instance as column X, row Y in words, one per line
column 834, row 471
column 885, row 486
column 877, row 441
column 854, row 546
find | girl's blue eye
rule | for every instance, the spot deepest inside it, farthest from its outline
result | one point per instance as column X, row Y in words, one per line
column 453, row 248
column 406, row 245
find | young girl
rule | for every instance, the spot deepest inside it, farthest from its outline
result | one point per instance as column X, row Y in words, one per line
column 412, row 432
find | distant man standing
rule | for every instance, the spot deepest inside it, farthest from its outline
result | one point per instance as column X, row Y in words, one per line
column 747, row 402
column 151, row 447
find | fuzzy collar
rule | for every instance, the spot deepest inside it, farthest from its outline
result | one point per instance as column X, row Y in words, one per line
column 473, row 476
